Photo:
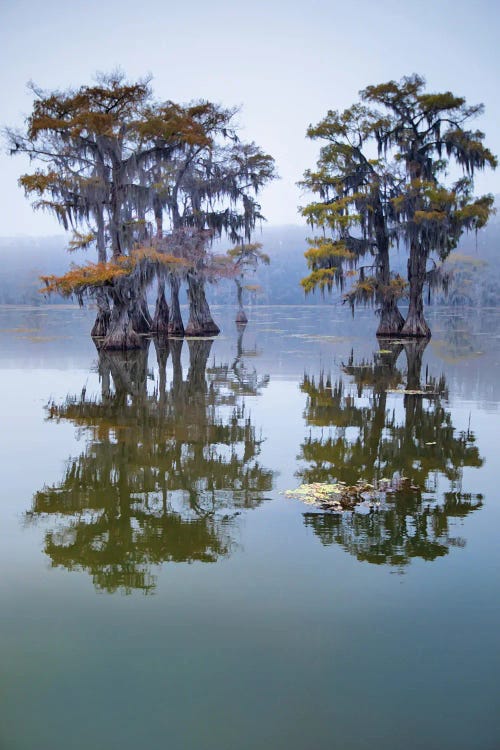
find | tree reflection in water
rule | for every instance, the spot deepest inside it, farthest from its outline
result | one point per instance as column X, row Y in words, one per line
column 165, row 471
column 368, row 441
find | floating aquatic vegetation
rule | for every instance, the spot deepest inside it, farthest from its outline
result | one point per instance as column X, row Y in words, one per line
column 339, row 496
column 318, row 337
column 18, row 330
column 272, row 330
column 426, row 391
column 44, row 339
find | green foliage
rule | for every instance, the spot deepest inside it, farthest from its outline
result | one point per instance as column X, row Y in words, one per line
column 125, row 171
column 81, row 241
column 243, row 259
column 322, row 279
column 352, row 205
column 365, row 205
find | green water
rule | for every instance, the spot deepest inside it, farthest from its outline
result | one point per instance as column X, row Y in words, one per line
column 159, row 589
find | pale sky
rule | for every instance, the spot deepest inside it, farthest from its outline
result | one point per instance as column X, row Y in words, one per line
column 284, row 63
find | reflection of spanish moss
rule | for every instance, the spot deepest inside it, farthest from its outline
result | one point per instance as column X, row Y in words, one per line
column 408, row 528
column 366, row 441
column 458, row 340
column 163, row 476
column 241, row 379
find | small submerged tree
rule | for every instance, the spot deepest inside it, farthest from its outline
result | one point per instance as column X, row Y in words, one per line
column 244, row 259
column 213, row 191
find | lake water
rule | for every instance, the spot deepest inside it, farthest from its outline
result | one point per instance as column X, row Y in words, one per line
column 160, row 590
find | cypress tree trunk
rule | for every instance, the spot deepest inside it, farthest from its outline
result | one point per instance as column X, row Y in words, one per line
column 101, row 324
column 414, row 351
column 161, row 316
column 175, row 324
column 141, row 318
column 199, row 352
column 121, row 334
column 415, row 323
column 115, row 222
column 391, row 320
column 200, row 322
column 241, row 315
column 100, row 327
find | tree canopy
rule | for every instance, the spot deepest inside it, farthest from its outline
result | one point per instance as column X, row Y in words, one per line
column 244, row 259
column 382, row 180
column 126, row 172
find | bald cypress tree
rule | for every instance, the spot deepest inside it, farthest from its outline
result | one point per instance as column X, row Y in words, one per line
column 352, row 215
column 244, row 259
column 82, row 137
column 128, row 173
column 382, row 180
column 427, row 134
column 213, row 194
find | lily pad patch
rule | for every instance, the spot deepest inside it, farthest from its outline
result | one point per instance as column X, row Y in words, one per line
column 339, row 497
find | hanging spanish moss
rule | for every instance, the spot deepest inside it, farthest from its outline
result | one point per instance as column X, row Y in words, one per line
column 125, row 173
column 363, row 206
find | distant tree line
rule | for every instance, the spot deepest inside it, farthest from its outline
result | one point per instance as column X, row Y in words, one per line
column 473, row 277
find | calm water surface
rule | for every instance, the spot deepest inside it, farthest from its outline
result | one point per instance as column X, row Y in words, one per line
column 158, row 588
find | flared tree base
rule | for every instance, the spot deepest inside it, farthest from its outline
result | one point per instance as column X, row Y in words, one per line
column 141, row 319
column 175, row 328
column 161, row 319
column 121, row 336
column 391, row 323
column 203, row 330
column 200, row 322
column 101, row 325
column 120, row 343
column 415, row 327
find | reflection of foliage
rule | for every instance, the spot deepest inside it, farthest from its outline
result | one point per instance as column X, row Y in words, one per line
column 368, row 441
column 458, row 341
column 238, row 377
column 408, row 529
column 163, row 474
